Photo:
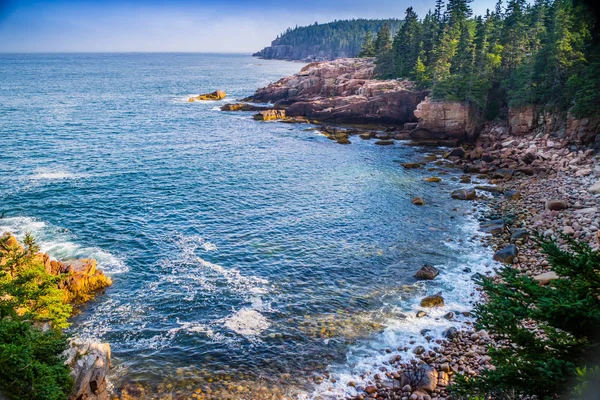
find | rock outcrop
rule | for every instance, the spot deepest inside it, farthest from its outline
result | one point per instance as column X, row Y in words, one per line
column 445, row 122
column 89, row 363
column 579, row 131
column 343, row 91
column 217, row 95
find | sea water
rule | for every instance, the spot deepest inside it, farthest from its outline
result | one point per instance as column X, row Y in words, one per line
column 247, row 257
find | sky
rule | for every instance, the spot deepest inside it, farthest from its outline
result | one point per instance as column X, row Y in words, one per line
column 230, row 26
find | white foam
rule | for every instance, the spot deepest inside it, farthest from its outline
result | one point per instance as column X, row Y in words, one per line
column 247, row 322
column 369, row 357
column 59, row 244
column 53, row 176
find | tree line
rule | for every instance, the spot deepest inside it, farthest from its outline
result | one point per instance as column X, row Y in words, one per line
column 338, row 38
column 515, row 55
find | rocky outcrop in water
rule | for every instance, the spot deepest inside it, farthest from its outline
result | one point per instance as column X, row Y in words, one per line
column 217, row 95
column 343, row 91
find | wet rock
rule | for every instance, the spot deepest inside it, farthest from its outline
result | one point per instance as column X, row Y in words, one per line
column 242, row 107
column 491, row 189
column 417, row 201
column 556, row 205
column 463, row 194
column 435, row 300
column 386, row 142
column 427, row 272
column 269, row 115
column 512, row 195
column 456, row 152
column 365, row 136
column 411, row 165
column 421, row 314
column 433, row 179
column 448, row 315
column 507, row 254
column 450, row 333
column 216, row 95
column 494, row 227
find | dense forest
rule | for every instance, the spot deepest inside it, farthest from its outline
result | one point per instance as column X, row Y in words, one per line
column 543, row 53
column 325, row 41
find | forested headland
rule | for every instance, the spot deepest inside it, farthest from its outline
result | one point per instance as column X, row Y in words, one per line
column 318, row 42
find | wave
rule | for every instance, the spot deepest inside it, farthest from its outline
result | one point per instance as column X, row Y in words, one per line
column 59, row 244
column 368, row 358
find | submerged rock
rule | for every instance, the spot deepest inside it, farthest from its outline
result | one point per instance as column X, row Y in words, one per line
column 417, row 201
column 242, row 107
column 411, row 165
column 427, row 272
column 464, row 194
column 433, row 179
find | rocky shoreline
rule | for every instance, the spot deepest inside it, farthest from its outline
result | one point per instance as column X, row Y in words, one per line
column 537, row 173
column 559, row 195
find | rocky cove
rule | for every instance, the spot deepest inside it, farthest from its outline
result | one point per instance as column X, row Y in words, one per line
column 533, row 173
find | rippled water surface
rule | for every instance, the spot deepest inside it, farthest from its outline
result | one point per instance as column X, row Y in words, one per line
column 242, row 253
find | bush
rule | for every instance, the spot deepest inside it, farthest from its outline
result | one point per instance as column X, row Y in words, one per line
column 31, row 365
column 543, row 333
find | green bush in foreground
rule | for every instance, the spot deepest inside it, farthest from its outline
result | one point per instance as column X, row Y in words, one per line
column 31, row 365
column 31, row 361
column 545, row 332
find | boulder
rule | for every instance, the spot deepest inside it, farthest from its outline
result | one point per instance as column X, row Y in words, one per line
column 494, row 226
column 365, row 136
column 411, row 165
column 417, row 201
column 89, row 363
column 435, row 300
column 507, row 255
column 423, row 378
column 450, row 333
column 269, row 115
column 456, row 152
column 556, row 205
column 82, row 280
column 445, row 120
column 433, row 179
column 519, row 234
column 427, row 272
column 595, row 188
column 216, row 95
column 384, row 142
column 242, row 107
column 464, row 194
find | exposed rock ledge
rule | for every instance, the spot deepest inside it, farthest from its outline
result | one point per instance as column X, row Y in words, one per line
column 346, row 91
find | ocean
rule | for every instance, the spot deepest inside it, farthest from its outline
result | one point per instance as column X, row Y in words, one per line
column 250, row 260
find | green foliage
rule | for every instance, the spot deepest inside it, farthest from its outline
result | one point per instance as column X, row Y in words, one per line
column 341, row 38
column 383, row 53
column 545, row 332
column 31, row 365
column 26, row 289
column 584, row 377
column 525, row 54
column 367, row 48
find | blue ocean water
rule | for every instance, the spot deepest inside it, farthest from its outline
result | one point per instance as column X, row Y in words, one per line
column 246, row 257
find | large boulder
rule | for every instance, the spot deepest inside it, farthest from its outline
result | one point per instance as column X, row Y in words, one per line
column 507, row 255
column 89, row 363
column 464, row 194
column 522, row 120
column 269, row 115
column 435, row 300
column 445, row 120
column 423, row 378
column 427, row 272
column 82, row 279
column 216, row 95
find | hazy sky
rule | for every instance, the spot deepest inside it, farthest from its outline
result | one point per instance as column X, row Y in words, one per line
column 176, row 25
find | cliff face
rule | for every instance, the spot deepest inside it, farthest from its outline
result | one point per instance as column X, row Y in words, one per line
column 446, row 120
column 579, row 131
column 343, row 91
column 279, row 51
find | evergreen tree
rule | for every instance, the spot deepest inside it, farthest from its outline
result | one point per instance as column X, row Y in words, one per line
column 368, row 47
column 383, row 53
column 406, row 45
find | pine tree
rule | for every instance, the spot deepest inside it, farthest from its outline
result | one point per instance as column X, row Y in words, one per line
column 383, row 52
column 406, row 46
column 368, row 46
